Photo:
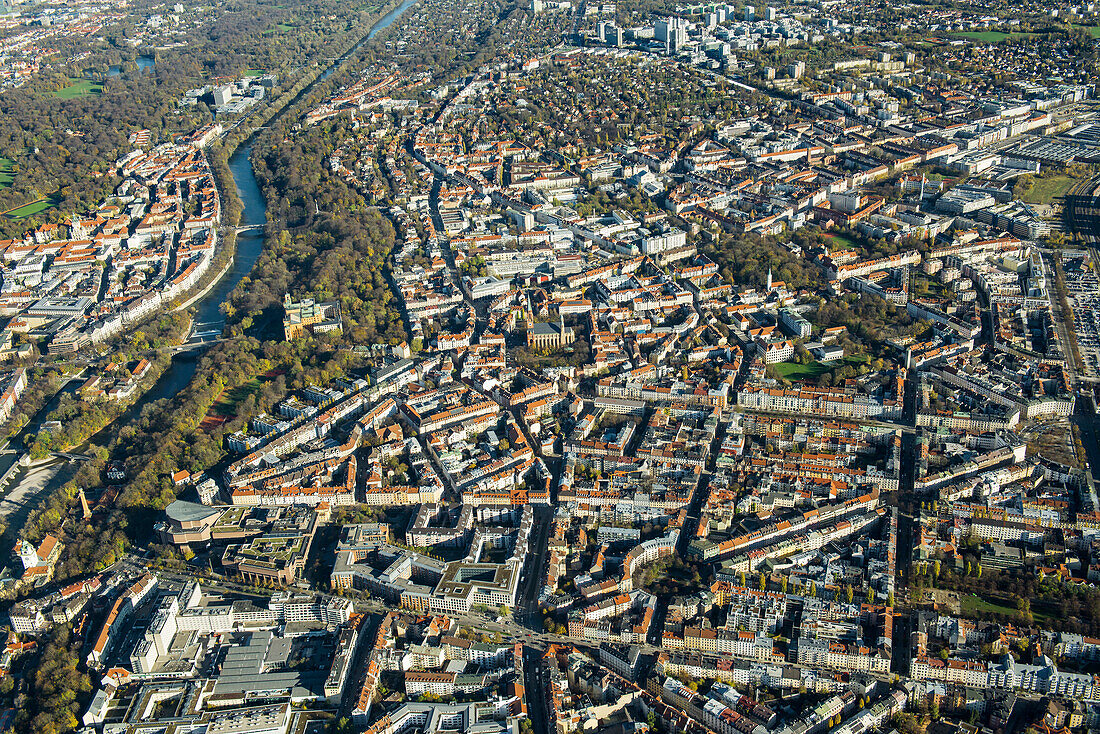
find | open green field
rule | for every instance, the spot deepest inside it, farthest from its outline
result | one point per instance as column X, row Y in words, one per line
column 974, row 605
column 7, row 172
column 991, row 36
column 284, row 28
column 795, row 372
column 800, row 372
column 1094, row 30
column 254, row 72
column 226, row 404
column 1046, row 190
column 79, row 88
column 841, row 240
column 29, row 210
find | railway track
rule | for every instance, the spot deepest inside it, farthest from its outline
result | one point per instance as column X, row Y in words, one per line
column 1082, row 210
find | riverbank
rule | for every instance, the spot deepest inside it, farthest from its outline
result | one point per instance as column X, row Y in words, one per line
column 222, row 155
column 213, row 282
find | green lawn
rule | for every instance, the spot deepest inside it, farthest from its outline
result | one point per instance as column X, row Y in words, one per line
column 987, row 36
column 79, row 88
column 7, row 172
column 34, row 207
column 800, row 372
column 795, row 372
column 1046, row 190
column 974, row 605
column 1094, row 30
column 254, row 72
column 841, row 240
column 992, row 36
column 284, row 28
column 226, row 404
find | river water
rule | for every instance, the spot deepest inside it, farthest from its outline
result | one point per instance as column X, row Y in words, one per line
column 383, row 23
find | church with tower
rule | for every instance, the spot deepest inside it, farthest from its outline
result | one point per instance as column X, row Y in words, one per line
column 544, row 335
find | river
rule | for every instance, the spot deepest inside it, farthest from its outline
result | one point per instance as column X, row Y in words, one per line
column 28, row 484
column 208, row 313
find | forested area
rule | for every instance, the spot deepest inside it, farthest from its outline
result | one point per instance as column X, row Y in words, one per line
column 81, row 418
column 330, row 246
column 42, row 383
column 868, row 318
column 52, row 701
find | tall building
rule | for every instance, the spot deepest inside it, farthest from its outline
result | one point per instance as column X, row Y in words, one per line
column 223, row 95
column 750, row 13
column 549, row 336
column 610, row 34
column 672, row 32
